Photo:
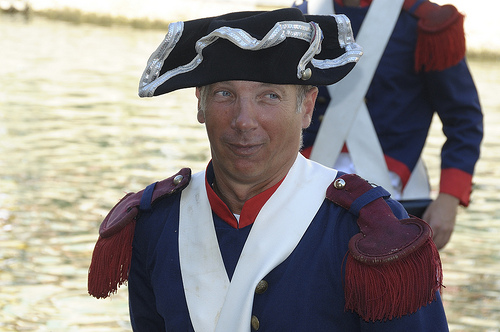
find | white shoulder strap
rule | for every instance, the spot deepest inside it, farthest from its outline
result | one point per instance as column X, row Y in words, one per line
column 320, row 7
column 418, row 186
column 214, row 303
column 347, row 102
column 203, row 273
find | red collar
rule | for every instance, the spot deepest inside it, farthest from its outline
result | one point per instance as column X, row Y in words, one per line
column 250, row 210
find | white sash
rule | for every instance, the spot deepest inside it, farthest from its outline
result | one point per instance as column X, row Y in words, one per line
column 418, row 186
column 347, row 97
column 214, row 303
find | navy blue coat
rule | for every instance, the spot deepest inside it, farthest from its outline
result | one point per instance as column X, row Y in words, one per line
column 305, row 292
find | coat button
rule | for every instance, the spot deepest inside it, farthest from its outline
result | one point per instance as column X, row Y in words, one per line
column 261, row 287
column 255, row 323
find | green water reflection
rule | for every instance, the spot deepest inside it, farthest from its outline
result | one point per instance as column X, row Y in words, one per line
column 74, row 137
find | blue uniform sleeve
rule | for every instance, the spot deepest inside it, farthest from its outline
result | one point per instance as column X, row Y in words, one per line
column 455, row 99
column 142, row 301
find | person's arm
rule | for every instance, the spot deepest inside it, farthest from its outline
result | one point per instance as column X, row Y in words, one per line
column 454, row 97
column 441, row 215
column 142, row 301
column 429, row 318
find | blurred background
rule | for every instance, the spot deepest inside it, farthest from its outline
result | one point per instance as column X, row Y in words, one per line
column 74, row 137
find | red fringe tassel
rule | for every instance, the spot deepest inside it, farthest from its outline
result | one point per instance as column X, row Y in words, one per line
column 109, row 268
column 396, row 288
column 440, row 49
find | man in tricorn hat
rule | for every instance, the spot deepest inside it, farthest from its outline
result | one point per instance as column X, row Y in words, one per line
column 264, row 239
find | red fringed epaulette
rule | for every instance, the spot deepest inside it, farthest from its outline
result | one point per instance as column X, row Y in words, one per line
column 112, row 254
column 392, row 266
column 441, row 36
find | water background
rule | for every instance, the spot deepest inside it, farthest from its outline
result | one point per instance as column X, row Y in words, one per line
column 74, row 137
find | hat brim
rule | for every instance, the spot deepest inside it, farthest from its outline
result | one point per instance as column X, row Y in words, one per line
column 178, row 62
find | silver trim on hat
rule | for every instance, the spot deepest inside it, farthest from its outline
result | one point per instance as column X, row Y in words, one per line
column 346, row 40
column 309, row 32
column 149, row 82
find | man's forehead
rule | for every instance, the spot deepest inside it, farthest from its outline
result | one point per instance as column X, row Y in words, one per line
column 256, row 84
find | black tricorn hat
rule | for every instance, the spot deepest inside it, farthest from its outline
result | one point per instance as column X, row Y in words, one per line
column 282, row 46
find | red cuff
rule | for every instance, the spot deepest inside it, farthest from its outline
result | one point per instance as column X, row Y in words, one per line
column 399, row 168
column 457, row 183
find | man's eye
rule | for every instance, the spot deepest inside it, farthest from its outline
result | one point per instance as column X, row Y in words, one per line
column 273, row 96
column 223, row 93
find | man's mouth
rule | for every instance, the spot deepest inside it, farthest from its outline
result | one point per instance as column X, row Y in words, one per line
column 245, row 150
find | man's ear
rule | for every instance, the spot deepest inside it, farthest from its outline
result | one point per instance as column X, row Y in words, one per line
column 308, row 106
column 201, row 114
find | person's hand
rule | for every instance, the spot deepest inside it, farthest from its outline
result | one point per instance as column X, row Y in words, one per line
column 441, row 215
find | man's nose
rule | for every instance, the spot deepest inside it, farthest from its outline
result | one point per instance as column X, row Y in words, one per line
column 245, row 118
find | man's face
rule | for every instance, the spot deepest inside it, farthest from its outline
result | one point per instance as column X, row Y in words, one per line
column 254, row 128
